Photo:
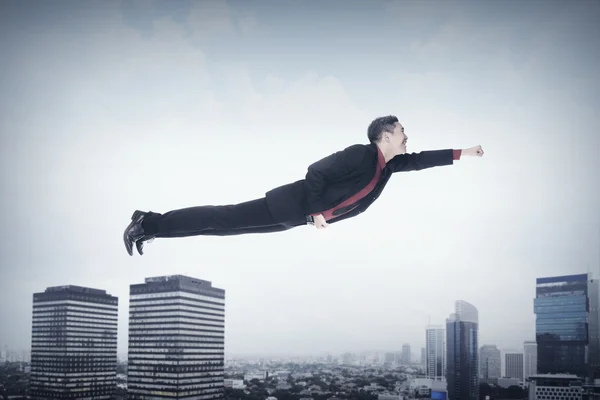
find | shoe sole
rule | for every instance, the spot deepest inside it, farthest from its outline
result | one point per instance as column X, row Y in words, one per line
column 139, row 245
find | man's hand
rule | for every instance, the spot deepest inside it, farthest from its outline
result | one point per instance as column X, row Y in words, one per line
column 475, row 151
column 320, row 222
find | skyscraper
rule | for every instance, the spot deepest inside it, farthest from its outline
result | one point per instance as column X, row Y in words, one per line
column 176, row 339
column 406, row 359
column 73, row 344
column 435, row 351
column 424, row 357
column 462, row 331
column 529, row 359
column 514, row 365
column 490, row 364
column 562, row 306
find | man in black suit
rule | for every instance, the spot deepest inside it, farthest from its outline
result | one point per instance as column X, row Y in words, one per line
column 336, row 187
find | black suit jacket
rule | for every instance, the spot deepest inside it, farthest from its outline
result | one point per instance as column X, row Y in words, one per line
column 335, row 178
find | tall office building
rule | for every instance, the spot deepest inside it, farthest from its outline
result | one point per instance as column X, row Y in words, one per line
column 435, row 351
column 424, row 357
column 176, row 339
column 562, row 306
column 514, row 365
column 462, row 338
column 406, row 358
column 74, row 344
column 490, row 364
column 529, row 359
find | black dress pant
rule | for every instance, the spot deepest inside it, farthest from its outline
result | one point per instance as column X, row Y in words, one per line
column 235, row 219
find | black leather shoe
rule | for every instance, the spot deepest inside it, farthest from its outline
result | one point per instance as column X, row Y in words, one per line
column 134, row 231
column 139, row 244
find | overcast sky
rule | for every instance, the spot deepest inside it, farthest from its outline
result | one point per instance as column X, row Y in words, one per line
column 108, row 106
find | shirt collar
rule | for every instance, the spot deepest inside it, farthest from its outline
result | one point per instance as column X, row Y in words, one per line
column 380, row 158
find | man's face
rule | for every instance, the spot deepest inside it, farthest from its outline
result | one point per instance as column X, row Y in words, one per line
column 398, row 139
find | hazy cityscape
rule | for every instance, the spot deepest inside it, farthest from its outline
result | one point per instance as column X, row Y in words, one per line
column 176, row 342
column 477, row 280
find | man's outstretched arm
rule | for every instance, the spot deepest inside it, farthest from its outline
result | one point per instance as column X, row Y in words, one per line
column 431, row 158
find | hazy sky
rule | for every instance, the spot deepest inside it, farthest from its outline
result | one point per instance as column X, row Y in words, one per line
column 108, row 106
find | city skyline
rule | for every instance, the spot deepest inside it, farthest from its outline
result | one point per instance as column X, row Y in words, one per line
column 138, row 105
column 176, row 342
column 400, row 348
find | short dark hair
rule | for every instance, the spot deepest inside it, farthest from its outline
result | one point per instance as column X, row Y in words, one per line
column 380, row 125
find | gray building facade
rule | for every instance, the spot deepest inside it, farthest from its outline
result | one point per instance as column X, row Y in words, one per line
column 514, row 365
column 435, row 352
column 73, row 344
column 176, row 339
column 564, row 314
column 490, row 364
column 529, row 359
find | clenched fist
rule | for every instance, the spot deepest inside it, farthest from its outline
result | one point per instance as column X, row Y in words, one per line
column 475, row 151
column 320, row 222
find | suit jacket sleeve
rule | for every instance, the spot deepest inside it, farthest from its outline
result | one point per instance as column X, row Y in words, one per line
column 329, row 170
column 422, row 160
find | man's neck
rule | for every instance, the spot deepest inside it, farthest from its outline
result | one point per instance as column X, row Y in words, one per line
column 387, row 152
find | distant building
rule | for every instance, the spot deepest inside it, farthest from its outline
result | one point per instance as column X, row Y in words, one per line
column 347, row 359
column 462, row 339
column 593, row 293
column 508, row 382
column 74, row 344
column 406, row 358
column 514, row 365
column 234, row 383
column 388, row 396
column 259, row 375
column 428, row 387
column 390, row 358
column 529, row 359
column 176, row 339
column 435, row 351
column 424, row 357
column 555, row 387
column 490, row 364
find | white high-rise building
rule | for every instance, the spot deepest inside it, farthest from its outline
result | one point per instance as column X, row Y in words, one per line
column 176, row 339
column 529, row 359
column 406, row 358
column 490, row 364
column 435, row 351
column 514, row 365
